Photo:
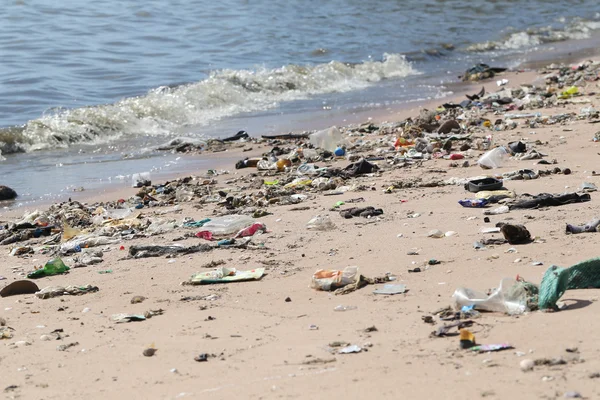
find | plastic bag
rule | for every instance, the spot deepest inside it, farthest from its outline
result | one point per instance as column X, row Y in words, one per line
column 494, row 158
column 333, row 279
column 327, row 139
column 510, row 297
column 320, row 223
column 183, row 195
column 228, row 225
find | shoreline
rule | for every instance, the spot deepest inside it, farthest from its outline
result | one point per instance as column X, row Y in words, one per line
column 382, row 114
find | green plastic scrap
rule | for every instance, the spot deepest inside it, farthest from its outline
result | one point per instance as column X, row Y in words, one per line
column 557, row 280
column 196, row 224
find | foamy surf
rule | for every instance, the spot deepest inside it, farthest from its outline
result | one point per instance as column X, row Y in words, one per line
column 165, row 110
column 576, row 29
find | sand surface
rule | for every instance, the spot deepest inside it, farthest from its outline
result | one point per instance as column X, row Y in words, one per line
column 262, row 346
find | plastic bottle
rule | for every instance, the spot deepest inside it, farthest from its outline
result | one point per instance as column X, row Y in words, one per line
column 265, row 165
column 52, row 267
column 527, row 115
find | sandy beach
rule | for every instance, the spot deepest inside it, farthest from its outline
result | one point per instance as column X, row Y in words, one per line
column 278, row 338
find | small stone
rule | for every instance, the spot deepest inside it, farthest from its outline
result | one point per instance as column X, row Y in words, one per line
column 149, row 352
column 287, row 300
column 566, row 171
column 7, row 193
column 527, row 365
column 201, row 358
column 486, row 220
column 22, row 343
column 572, row 350
column 65, row 347
column 572, row 395
column 137, row 299
column 45, row 338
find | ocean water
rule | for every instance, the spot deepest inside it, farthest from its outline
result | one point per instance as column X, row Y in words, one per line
column 88, row 88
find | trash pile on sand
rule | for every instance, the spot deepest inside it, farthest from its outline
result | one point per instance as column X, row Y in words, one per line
column 350, row 162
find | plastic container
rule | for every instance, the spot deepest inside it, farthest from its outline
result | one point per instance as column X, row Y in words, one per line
column 494, row 158
column 228, row 225
column 487, row 184
column 327, row 139
column 510, row 297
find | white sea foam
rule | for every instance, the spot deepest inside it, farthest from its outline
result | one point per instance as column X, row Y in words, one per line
column 576, row 29
column 164, row 110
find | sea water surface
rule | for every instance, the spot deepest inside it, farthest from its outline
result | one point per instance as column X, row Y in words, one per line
column 88, row 89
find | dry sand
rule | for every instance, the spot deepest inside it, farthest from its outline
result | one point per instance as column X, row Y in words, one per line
column 263, row 345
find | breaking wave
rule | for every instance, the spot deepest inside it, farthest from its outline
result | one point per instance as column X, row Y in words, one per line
column 576, row 29
column 164, row 110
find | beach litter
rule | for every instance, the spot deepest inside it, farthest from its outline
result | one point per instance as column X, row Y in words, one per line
column 225, row 275
column 142, row 251
column 350, row 349
column 53, row 267
column 391, row 289
column 410, row 160
column 57, row 291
